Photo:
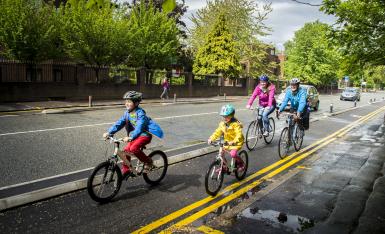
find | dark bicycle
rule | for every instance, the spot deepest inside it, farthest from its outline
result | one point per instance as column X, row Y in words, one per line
column 255, row 131
column 292, row 134
column 220, row 167
column 106, row 179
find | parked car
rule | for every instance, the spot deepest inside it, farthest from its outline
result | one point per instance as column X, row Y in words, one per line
column 312, row 97
column 350, row 93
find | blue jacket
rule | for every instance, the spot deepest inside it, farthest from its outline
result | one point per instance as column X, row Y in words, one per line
column 297, row 101
column 137, row 124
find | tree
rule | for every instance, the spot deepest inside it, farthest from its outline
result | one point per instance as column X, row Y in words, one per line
column 311, row 56
column 375, row 76
column 360, row 28
column 172, row 8
column 29, row 30
column 97, row 35
column 218, row 55
column 154, row 38
column 245, row 22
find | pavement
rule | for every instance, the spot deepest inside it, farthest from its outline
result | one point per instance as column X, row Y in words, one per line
column 181, row 196
column 49, row 106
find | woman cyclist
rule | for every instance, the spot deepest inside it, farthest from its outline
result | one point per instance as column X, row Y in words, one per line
column 265, row 90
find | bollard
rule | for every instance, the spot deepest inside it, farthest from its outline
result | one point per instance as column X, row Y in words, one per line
column 374, row 100
column 370, row 100
column 383, row 98
column 331, row 108
column 174, row 97
column 224, row 96
column 89, row 101
column 355, row 103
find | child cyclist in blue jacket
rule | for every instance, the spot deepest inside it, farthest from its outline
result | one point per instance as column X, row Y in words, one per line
column 140, row 129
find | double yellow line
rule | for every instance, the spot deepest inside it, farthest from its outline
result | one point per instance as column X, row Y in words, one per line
column 302, row 154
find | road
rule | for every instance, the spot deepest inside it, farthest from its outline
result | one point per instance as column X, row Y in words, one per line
column 35, row 155
column 38, row 146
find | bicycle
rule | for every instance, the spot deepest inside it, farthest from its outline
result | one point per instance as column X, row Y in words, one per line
column 293, row 129
column 218, row 168
column 107, row 176
column 255, row 131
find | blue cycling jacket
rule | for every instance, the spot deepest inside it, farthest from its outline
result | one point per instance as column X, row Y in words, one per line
column 297, row 100
column 137, row 124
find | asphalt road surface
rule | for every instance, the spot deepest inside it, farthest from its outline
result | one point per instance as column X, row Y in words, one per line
column 26, row 156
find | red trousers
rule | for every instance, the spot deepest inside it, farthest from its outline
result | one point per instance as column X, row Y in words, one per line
column 135, row 147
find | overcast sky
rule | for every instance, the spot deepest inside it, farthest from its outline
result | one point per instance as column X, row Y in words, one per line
column 287, row 17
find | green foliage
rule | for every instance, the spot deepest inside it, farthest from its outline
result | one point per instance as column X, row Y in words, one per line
column 29, row 30
column 311, row 56
column 245, row 22
column 375, row 76
column 218, row 54
column 97, row 36
column 360, row 28
column 168, row 6
column 153, row 37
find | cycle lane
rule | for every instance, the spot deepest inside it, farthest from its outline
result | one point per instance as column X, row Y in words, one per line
column 140, row 205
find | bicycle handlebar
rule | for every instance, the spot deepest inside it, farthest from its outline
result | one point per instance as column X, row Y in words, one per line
column 114, row 140
column 219, row 143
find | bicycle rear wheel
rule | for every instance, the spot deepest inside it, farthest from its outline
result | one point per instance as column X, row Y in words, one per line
column 252, row 135
column 214, row 178
column 269, row 138
column 158, row 172
column 104, row 182
column 284, row 143
column 245, row 158
column 298, row 136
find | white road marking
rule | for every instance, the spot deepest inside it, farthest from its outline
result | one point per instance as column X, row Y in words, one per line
column 100, row 124
column 2, row 116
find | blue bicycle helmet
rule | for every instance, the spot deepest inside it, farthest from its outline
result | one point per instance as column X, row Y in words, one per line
column 227, row 110
column 264, row 78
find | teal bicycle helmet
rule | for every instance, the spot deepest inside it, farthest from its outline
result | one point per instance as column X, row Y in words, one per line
column 227, row 110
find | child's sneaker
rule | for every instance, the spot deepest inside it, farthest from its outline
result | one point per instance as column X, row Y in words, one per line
column 125, row 170
column 240, row 166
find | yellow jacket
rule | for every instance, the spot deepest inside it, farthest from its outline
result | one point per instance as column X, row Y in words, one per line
column 232, row 132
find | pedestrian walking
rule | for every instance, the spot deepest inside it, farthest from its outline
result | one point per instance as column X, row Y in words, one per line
column 166, row 87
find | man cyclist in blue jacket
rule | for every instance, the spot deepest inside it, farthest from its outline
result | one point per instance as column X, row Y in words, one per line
column 297, row 97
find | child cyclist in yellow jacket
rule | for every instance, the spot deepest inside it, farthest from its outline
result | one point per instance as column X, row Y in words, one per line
column 231, row 129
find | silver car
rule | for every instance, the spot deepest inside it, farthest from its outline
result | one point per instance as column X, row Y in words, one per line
column 312, row 97
column 352, row 94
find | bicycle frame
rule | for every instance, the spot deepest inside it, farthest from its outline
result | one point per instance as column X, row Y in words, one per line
column 138, row 168
column 222, row 158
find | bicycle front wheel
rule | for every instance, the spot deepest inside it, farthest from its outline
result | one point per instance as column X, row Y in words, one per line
column 104, row 182
column 269, row 138
column 298, row 137
column 214, row 178
column 252, row 135
column 240, row 173
column 158, row 172
column 284, row 143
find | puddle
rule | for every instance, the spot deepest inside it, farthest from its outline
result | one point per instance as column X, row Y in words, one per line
column 278, row 219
